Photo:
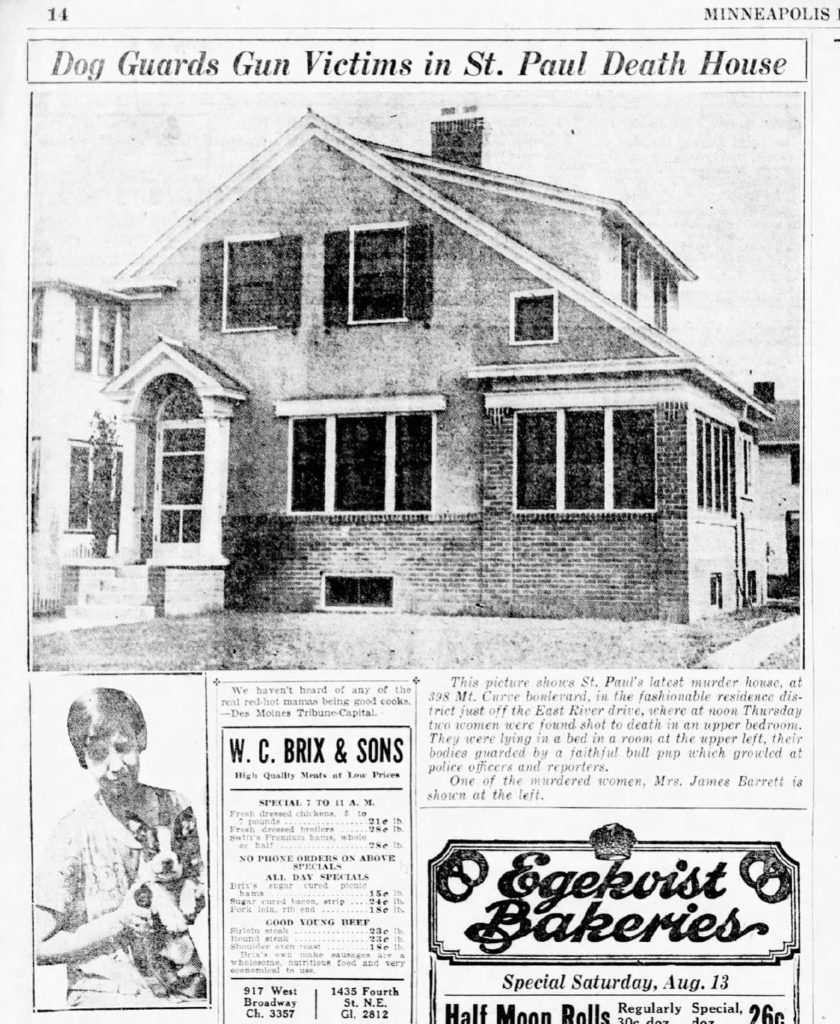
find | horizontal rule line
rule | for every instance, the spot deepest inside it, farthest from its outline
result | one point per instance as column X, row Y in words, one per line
column 297, row 977
column 633, row 994
column 316, row 789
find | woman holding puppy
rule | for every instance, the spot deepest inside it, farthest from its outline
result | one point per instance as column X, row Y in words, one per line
column 96, row 887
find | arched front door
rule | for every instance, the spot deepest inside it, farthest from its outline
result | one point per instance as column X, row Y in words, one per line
column 179, row 477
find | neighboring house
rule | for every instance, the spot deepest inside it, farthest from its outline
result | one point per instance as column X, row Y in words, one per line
column 364, row 377
column 780, row 501
column 78, row 342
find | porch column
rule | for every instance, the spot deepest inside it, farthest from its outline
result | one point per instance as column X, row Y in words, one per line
column 217, row 417
column 132, row 490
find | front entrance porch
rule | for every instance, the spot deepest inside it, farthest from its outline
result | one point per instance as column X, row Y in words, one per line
column 175, row 434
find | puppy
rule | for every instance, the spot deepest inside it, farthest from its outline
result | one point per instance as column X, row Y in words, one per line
column 170, row 885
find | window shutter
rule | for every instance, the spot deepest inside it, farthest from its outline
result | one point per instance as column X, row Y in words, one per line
column 288, row 255
column 211, row 285
column 336, row 278
column 419, row 273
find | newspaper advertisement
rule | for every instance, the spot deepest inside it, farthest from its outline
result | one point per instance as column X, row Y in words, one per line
column 412, row 606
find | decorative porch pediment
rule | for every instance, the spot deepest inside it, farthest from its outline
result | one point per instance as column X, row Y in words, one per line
column 168, row 356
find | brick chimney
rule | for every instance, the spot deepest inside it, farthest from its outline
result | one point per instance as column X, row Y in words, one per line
column 765, row 391
column 458, row 137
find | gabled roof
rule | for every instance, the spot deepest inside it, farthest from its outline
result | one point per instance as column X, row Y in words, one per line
column 314, row 126
column 785, row 429
column 169, row 355
column 535, row 191
column 395, row 171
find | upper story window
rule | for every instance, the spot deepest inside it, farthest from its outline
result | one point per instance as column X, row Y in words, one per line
column 629, row 272
column 380, row 463
column 748, row 465
column 107, row 341
column 715, row 466
column 533, row 318
column 660, row 298
column 125, row 343
column 586, row 460
column 101, row 337
column 251, row 284
column 378, row 273
column 84, row 335
column 794, row 466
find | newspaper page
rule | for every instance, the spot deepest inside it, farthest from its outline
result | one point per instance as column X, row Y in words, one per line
column 414, row 472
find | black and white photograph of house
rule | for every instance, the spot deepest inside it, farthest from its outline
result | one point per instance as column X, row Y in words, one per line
column 426, row 378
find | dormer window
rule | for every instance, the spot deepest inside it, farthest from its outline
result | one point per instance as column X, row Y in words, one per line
column 377, row 273
column 629, row 273
column 533, row 318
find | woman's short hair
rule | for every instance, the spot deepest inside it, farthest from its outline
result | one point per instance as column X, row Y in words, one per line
column 100, row 712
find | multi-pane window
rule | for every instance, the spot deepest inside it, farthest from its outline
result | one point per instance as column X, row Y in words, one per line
column 84, row 335
column 660, row 298
column 250, row 284
column 715, row 466
column 377, row 463
column 37, row 329
column 533, row 318
column 378, row 274
column 107, row 341
column 79, row 506
column 586, row 460
column 82, row 481
column 629, row 273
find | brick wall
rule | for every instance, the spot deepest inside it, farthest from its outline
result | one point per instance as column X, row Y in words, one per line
column 614, row 565
column 278, row 562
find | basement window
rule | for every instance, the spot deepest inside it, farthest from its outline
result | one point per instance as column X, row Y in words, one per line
column 716, row 590
column 533, row 318
column 358, row 592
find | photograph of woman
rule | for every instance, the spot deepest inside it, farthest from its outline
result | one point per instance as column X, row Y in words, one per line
column 121, row 881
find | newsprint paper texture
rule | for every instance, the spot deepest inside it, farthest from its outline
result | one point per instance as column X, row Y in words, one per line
column 419, row 509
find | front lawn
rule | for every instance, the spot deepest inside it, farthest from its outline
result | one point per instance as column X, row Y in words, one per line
column 251, row 640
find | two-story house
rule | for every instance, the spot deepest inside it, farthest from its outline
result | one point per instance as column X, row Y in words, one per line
column 363, row 377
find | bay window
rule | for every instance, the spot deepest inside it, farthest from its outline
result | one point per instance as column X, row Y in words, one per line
column 586, row 460
column 362, row 463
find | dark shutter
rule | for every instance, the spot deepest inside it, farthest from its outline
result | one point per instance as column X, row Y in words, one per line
column 212, row 283
column 288, row 253
column 419, row 273
column 336, row 277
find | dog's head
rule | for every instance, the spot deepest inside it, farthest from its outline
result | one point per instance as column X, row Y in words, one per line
column 169, row 851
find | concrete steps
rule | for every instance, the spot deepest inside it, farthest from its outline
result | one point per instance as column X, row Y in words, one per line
column 113, row 594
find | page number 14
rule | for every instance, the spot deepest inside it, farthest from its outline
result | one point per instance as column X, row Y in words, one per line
column 57, row 13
